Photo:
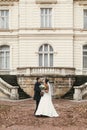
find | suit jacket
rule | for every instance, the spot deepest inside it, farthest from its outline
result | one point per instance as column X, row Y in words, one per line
column 37, row 91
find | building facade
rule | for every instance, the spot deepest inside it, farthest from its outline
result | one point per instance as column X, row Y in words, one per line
column 43, row 36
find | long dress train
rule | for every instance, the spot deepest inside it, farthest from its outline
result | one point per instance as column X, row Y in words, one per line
column 46, row 106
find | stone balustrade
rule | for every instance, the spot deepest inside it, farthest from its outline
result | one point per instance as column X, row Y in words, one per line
column 80, row 92
column 34, row 71
column 8, row 90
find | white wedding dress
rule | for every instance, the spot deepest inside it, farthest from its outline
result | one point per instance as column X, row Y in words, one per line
column 45, row 106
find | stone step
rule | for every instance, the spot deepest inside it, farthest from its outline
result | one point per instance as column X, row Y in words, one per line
column 12, row 80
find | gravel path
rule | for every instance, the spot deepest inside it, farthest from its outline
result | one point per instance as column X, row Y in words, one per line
column 19, row 116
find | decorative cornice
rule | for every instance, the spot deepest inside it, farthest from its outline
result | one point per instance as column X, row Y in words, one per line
column 9, row 0
column 43, row 29
column 46, row 1
column 9, row 30
column 81, row 2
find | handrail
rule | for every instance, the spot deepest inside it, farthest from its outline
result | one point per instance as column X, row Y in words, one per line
column 5, row 91
column 9, row 90
column 81, row 86
column 7, row 85
column 80, row 91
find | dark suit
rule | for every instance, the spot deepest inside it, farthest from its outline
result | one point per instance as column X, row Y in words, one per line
column 37, row 95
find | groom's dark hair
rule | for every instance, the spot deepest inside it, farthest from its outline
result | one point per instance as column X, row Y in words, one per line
column 37, row 78
column 46, row 80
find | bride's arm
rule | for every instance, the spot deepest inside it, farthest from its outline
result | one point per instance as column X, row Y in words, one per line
column 47, row 88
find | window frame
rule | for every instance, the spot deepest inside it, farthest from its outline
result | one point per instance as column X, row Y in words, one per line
column 47, row 23
column 85, row 27
column 5, row 59
column 84, row 50
column 4, row 25
column 43, row 53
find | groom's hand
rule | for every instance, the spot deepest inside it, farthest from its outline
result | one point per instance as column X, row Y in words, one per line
column 41, row 93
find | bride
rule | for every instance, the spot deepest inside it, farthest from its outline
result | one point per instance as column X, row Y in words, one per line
column 46, row 107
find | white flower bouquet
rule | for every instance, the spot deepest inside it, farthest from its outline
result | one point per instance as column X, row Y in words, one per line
column 43, row 88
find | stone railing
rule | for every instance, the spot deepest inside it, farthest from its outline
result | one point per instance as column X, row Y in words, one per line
column 10, row 91
column 32, row 71
column 46, row 1
column 80, row 91
column 81, row 71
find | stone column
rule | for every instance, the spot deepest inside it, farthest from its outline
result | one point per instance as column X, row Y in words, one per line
column 77, row 94
column 14, row 94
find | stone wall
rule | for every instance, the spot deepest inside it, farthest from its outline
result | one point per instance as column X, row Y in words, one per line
column 27, row 84
column 60, row 85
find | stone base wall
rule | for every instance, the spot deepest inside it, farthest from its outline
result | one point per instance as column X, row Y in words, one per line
column 60, row 85
column 85, row 97
column 27, row 84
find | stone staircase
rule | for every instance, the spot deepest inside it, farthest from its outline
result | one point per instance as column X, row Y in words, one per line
column 80, row 79
column 80, row 92
column 80, row 84
column 69, row 94
column 12, row 81
column 22, row 94
column 8, row 91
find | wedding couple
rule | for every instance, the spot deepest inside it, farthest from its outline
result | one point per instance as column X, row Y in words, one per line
column 44, row 105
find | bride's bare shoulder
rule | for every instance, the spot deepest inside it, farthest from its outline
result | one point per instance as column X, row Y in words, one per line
column 46, row 85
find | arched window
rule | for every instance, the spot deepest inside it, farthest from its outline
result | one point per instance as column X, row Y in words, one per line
column 85, row 56
column 46, row 56
column 4, row 57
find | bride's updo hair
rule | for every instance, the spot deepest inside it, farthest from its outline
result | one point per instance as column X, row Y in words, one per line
column 46, row 81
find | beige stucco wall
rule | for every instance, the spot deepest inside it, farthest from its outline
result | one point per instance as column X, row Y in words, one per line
column 80, row 35
column 29, row 49
column 25, row 35
column 31, row 37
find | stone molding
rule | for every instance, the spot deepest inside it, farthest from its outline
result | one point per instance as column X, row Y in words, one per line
column 34, row 71
column 9, row 0
column 81, row 2
column 46, row 1
column 41, row 29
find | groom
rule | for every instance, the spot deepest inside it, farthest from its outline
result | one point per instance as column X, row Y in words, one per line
column 37, row 92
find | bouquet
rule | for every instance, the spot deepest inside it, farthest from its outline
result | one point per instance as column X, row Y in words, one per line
column 43, row 88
